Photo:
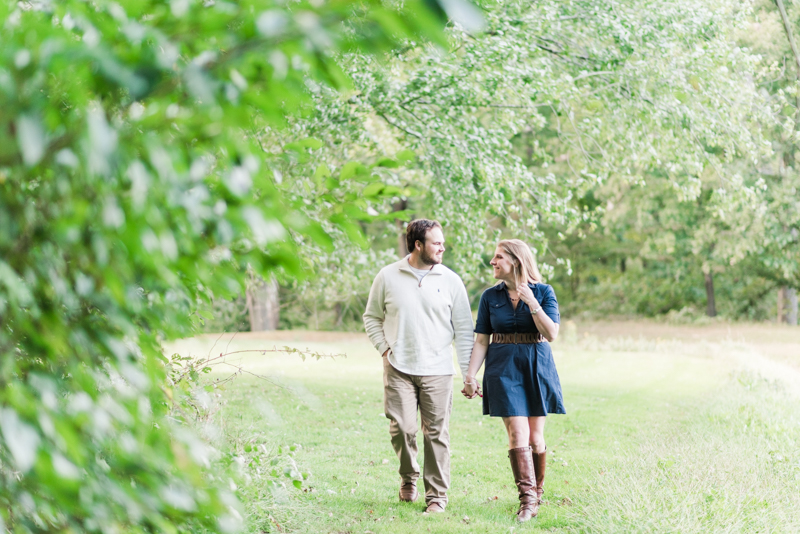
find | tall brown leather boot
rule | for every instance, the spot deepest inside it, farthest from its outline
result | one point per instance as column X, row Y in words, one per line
column 539, row 465
column 522, row 467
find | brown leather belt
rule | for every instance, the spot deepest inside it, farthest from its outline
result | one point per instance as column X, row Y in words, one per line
column 523, row 337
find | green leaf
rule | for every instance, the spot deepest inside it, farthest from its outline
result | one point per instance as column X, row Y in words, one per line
column 403, row 215
column 389, row 163
column 405, row 156
column 311, row 143
column 351, row 169
column 391, row 190
column 321, row 172
column 372, row 190
column 318, row 234
column 355, row 234
column 331, row 183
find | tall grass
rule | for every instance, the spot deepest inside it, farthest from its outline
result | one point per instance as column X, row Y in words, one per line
column 732, row 466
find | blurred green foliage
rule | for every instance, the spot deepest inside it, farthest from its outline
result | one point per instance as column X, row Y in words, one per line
column 133, row 190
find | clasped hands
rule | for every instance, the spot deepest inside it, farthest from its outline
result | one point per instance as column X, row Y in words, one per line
column 472, row 389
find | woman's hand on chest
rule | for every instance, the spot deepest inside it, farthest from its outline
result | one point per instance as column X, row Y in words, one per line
column 526, row 295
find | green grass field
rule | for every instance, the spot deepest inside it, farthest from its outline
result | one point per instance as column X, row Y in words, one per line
column 669, row 429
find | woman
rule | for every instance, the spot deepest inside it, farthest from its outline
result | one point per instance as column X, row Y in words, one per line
column 520, row 382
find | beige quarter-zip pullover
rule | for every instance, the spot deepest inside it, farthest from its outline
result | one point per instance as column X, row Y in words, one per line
column 419, row 319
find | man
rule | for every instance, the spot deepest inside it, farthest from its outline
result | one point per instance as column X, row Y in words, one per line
column 416, row 308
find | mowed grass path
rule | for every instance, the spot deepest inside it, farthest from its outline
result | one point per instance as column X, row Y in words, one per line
column 669, row 429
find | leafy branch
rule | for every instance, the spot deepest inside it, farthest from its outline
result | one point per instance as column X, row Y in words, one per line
column 185, row 374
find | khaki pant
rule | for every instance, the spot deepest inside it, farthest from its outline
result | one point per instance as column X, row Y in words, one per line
column 433, row 395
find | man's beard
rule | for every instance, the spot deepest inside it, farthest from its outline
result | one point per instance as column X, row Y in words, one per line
column 428, row 259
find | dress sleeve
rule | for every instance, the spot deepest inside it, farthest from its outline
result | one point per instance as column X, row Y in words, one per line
column 484, row 324
column 549, row 304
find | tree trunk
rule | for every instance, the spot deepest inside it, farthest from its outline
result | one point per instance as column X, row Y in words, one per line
column 787, row 296
column 711, row 305
column 263, row 304
column 402, row 250
column 339, row 311
column 574, row 282
column 787, row 305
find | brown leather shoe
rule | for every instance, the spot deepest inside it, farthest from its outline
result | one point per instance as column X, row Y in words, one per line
column 539, row 466
column 522, row 467
column 434, row 508
column 408, row 492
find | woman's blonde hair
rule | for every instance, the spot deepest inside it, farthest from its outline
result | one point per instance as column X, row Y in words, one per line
column 525, row 269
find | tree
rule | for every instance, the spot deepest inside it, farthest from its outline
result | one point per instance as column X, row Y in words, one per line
column 787, row 295
column 263, row 304
column 132, row 191
column 557, row 102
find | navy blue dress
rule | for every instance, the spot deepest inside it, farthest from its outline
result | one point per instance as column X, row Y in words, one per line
column 519, row 379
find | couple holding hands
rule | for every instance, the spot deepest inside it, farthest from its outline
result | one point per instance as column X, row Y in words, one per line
column 417, row 308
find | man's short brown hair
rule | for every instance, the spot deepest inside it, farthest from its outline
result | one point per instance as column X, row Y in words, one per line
column 416, row 230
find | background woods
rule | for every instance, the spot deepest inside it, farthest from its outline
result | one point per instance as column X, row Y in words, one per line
column 646, row 150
